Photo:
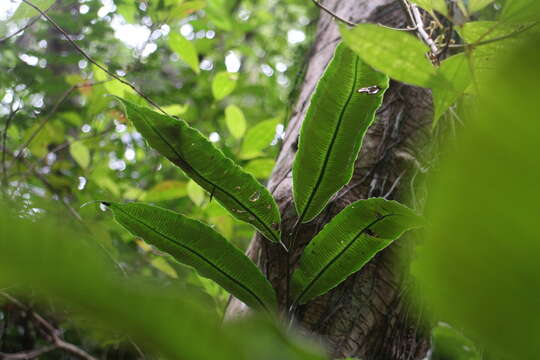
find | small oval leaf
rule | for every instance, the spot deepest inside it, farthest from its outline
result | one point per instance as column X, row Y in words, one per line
column 347, row 243
column 196, row 244
column 342, row 108
column 187, row 148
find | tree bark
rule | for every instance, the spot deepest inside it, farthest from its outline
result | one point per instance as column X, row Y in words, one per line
column 368, row 316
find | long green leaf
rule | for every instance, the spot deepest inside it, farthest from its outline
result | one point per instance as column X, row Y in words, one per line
column 341, row 110
column 196, row 244
column 238, row 191
column 347, row 243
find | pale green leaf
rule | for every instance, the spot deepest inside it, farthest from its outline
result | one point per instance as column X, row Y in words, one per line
column 258, row 138
column 25, row 11
column 347, row 243
column 223, row 84
column 162, row 265
column 175, row 109
column 218, row 12
column 260, row 168
column 185, row 49
column 456, row 70
column 341, row 110
column 195, row 192
column 477, row 5
column 398, row 54
column 80, row 153
column 430, row 5
column 521, row 10
column 165, row 190
column 235, row 120
column 196, row 244
column 236, row 190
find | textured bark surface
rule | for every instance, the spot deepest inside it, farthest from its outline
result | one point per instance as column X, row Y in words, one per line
column 368, row 315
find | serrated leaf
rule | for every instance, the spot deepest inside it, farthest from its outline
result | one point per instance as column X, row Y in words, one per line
column 258, row 138
column 80, row 153
column 185, row 50
column 398, row 54
column 456, row 70
column 193, row 243
column 347, row 243
column 223, row 84
column 333, row 130
column 235, row 120
column 186, row 147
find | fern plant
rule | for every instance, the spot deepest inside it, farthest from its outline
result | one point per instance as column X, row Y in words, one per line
column 342, row 108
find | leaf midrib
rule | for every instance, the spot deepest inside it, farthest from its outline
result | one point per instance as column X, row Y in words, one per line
column 200, row 256
column 330, row 147
column 332, row 261
column 213, row 184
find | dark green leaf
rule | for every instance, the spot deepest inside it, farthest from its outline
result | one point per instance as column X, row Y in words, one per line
column 196, row 244
column 347, row 243
column 341, row 110
column 236, row 190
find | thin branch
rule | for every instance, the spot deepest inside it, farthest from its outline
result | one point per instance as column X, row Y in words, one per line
column 32, row 354
column 52, row 332
column 350, row 23
column 419, row 23
column 496, row 39
column 28, row 25
column 92, row 61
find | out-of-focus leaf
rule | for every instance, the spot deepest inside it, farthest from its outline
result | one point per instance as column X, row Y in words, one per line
column 162, row 265
column 196, row 244
column 521, row 11
column 430, row 5
column 398, row 54
column 195, row 192
column 258, row 138
column 448, row 343
column 218, row 13
column 235, row 120
column 80, row 153
column 185, row 49
column 166, row 190
column 456, row 70
column 347, row 243
column 175, row 109
column 478, row 266
column 186, row 8
column 236, row 190
column 25, row 11
column 260, row 168
column 477, row 5
column 223, row 84
column 341, row 110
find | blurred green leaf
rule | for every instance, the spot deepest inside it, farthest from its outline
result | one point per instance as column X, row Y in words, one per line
column 260, row 168
column 258, row 138
column 195, row 193
column 166, row 190
column 235, row 120
column 80, row 153
column 347, row 243
column 430, row 5
column 341, row 110
column 477, row 5
column 448, row 343
column 223, row 84
column 185, row 49
column 521, row 11
column 194, row 243
column 25, row 11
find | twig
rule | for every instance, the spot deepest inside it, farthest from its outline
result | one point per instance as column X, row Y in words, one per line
column 419, row 23
column 92, row 61
column 490, row 41
column 28, row 25
column 52, row 332
column 350, row 23
column 32, row 354
column 44, row 121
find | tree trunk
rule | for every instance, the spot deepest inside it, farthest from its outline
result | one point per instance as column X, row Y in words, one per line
column 368, row 316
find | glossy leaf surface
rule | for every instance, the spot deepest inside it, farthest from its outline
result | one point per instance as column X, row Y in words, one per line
column 238, row 191
column 196, row 244
column 347, row 243
column 341, row 110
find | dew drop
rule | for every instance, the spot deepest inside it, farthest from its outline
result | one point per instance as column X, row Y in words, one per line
column 255, row 196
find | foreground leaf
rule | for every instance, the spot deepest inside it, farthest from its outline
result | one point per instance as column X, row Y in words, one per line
column 333, row 130
column 238, row 191
column 347, row 243
column 196, row 244
column 396, row 53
